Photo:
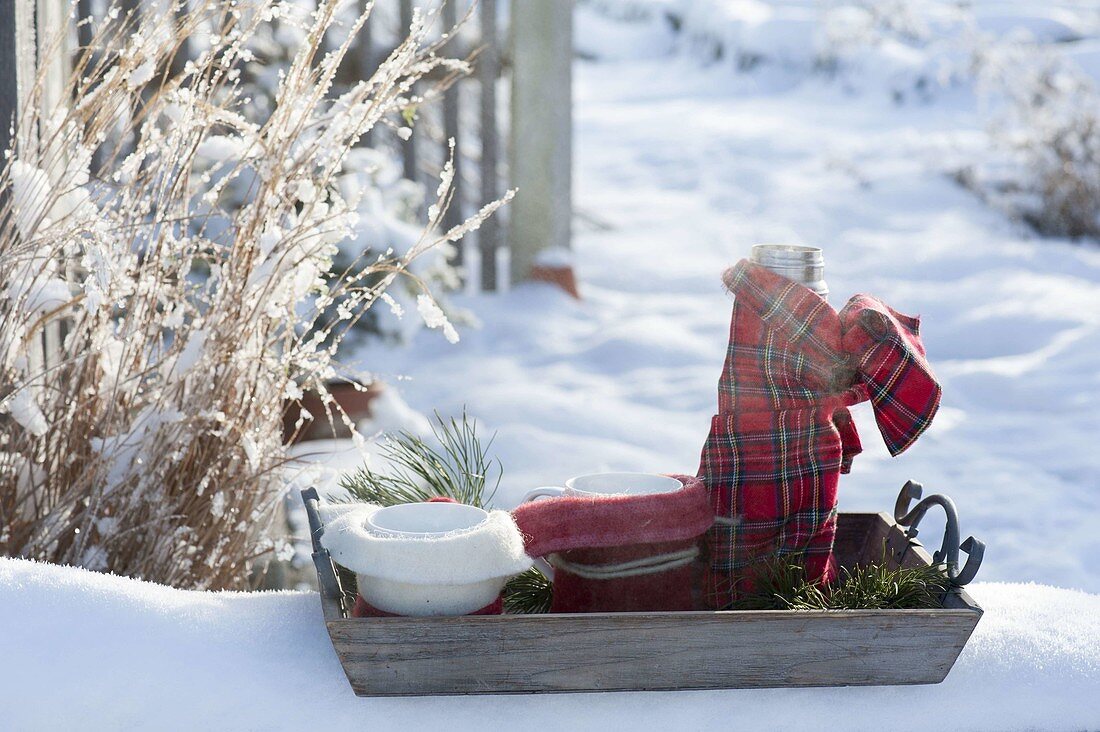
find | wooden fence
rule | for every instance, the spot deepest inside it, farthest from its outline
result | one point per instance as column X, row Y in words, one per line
column 23, row 56
column 523, row 51
column 526, row 53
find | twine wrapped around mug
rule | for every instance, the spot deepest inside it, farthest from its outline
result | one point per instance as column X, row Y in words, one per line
column 631, row 568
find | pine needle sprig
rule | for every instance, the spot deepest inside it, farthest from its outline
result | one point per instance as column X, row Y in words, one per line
column 778, row 582
column 782, row 585
column 878, row 587
column 456, row 466
column 528, row 593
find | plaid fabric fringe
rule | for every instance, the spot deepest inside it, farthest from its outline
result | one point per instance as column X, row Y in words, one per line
column 783, row 433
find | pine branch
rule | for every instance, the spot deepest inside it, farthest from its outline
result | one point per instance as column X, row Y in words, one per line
column 457, row 466
column 528, row 593
column 782, row 585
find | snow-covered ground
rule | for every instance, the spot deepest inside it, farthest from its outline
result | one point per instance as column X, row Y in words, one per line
column 90, row 651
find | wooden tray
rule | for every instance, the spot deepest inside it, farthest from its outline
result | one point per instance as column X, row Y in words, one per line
column 507, row 654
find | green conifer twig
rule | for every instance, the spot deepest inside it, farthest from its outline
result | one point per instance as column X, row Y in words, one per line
column 458, row 468
column 782, row 585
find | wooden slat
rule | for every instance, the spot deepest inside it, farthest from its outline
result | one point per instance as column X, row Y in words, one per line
column 410, row 154
column 648, row 651
column 880, row 529
column 84, row 30
column 185, row 52
column 362, row 57
column 454, row 215
column 851, row 534
column 541, row 125
column 17, row 61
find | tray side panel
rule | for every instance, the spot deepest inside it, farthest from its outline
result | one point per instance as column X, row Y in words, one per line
column 648, row 651
column 851, row 534
column 881, row 528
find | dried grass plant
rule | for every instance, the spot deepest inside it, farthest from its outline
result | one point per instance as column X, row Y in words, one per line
column 149, row 335
column 1049, row 125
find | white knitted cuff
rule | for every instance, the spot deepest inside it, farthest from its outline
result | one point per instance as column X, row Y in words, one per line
column 492, row 549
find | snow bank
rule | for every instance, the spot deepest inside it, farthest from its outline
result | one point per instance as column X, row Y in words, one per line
column 89, row 651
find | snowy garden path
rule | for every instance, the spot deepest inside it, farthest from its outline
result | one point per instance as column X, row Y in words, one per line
column 680, row 171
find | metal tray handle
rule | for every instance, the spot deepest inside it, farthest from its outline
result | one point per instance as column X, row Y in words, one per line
column 327, row 578
column 949, row 550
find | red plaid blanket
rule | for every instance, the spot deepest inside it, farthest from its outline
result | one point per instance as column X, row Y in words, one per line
column 783, row 433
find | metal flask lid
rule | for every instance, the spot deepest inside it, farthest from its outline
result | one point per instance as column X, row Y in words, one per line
column 804, row 265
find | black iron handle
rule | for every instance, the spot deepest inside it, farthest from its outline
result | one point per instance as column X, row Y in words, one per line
column 316, row 529
column 326, row 573
column 948, row 553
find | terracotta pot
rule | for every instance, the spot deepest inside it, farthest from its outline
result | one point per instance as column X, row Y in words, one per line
column 355, row 403
column 563, row 277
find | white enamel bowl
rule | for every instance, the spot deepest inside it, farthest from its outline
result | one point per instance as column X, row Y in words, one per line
column 424, row 521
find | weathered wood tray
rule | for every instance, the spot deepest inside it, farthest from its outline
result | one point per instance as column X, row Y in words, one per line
column 661, row 650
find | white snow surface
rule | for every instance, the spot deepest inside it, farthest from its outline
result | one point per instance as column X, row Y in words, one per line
column 91, row 651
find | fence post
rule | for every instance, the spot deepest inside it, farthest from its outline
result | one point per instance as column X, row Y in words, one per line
column 28, row 30
column 183, row 55
column 363, row 55
column 411, row 160
column 488, row 71
column 54, row 62
column 54, row 47
column 453, row 216
column 542, row 135
column 17, row 58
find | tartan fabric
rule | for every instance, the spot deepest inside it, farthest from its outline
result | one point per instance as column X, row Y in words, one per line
column 783, row 433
